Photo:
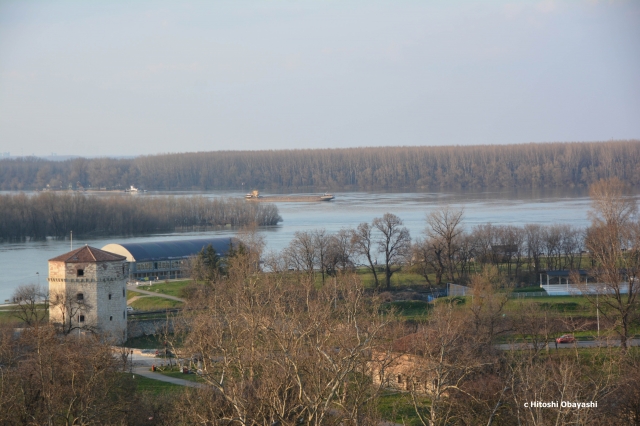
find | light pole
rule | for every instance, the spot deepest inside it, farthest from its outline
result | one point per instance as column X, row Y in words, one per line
column 38, row 274
column 598, row 312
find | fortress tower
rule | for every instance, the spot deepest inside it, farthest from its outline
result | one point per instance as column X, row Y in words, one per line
column 88, row 292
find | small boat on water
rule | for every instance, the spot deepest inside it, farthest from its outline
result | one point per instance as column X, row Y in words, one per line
column 134, row 190
column 326, row 197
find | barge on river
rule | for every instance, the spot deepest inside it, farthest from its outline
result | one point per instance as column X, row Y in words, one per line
column 255, row 196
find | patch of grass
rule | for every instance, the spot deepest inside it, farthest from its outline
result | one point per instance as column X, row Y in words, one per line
column 534, row 289
column 131, row 294
column 400, row 279
column 409, row 308
column 153, row 303
column 155, row 387
column 397, row 407
column 177, row 373
column 170, row 289
column 575, row 306
column 6, row 317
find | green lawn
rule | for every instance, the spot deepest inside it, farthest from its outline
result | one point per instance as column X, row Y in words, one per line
column 175, row 372
column 397, row 407
column 6, row 317
column 171, row 288
column 155, row 387
column 152, row 303
column 409, row 309
column 131, row 294
column 574, row 306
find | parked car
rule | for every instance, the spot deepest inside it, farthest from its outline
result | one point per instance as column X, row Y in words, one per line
column 129, row 309
column 566, row 338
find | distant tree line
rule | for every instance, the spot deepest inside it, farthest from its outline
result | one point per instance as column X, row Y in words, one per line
column 56, row 214
column 543, row 165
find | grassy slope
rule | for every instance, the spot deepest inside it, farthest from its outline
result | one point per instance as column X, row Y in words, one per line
column 155, row 387
column 171, row 288
column 151, row 303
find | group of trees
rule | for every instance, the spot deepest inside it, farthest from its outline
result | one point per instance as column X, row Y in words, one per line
column 550, row 165
column 444, row 252
column 55, row 214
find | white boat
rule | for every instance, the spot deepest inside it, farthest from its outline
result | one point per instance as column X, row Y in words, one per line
column 326, row 197
column 133, row 189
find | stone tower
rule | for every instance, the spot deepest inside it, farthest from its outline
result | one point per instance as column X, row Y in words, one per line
column 88, row 292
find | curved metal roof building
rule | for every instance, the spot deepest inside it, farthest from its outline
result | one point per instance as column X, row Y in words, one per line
column 165, row 250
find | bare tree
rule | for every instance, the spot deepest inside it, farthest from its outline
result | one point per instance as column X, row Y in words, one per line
column 321, row 245
column 301, row 252
column 428, row 254
column 443, row 357
column 535, row 246
column 488, row 306
column 31, row 304
column 362, row 241
column 394, row 243
column 445, row 224
column 613, row 241
column 339, row 251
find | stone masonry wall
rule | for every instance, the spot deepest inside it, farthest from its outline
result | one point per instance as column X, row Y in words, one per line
column 103, row 286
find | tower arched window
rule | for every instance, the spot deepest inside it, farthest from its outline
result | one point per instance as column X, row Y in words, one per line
column 80, row 297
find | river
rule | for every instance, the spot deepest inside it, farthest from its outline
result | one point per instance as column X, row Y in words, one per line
column 26, row 262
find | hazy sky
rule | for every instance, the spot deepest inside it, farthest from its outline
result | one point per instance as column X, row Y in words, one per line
column 126, row 78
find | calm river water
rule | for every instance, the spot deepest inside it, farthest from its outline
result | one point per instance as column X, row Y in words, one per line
column 26, row 262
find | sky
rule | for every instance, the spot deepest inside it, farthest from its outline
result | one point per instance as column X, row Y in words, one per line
column 122, row 78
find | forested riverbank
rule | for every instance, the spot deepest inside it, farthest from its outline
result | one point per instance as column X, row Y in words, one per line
column 50, row 214
column 542, row 165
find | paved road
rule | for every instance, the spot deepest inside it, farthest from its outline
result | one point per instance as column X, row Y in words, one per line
column 579, row 344
column 152, row 293
column 143, row 370
column 141, row 365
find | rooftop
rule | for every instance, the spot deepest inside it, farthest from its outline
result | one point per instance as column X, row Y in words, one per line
column 87, row 254
column 173, row 249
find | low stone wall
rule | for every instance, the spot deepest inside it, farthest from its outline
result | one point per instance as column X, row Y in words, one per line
column 137, row 328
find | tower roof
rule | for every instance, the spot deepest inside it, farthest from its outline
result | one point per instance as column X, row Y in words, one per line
column 87, row 254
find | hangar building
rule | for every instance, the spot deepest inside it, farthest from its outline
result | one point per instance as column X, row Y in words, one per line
column 165, row 259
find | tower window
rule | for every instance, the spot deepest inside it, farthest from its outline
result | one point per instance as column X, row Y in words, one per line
column 80, row 297
column 111, row 318
column 123, row 295
column 109, row 296
column 81, row 272
column 81, row 318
